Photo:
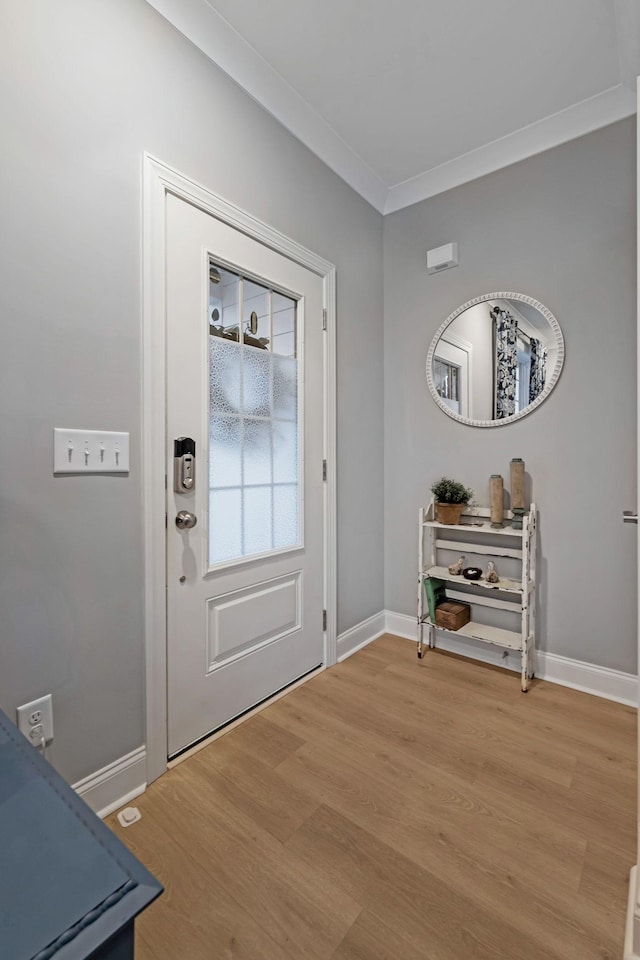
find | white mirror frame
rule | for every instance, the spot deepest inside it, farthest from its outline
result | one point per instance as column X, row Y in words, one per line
column 559, row 339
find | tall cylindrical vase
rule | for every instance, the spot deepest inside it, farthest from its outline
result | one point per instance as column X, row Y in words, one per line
column 496, row 489
column 517, row 492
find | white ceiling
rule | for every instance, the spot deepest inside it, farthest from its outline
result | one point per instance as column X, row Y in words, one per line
column 406, row 99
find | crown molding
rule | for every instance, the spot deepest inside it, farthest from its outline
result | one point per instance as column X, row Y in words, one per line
column 217, row 39
column 588, row 115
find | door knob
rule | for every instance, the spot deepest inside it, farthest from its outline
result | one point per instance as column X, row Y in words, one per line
column 185, row 520
column 629, row 517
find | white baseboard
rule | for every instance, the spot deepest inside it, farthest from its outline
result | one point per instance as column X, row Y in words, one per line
column 588, row 677
column 400, row 625
column 629, row 925
column 359, row 636
column 116, row 784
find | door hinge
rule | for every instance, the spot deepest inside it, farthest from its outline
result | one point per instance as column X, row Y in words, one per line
column 324, row 619
column 324, row 318
column 324, row 470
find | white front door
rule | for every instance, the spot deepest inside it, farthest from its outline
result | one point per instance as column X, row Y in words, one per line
column 245, row 384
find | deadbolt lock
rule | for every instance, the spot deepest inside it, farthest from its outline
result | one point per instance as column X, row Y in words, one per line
column 184, row 465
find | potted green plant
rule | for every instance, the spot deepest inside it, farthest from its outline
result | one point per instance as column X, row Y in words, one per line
column 451, row 499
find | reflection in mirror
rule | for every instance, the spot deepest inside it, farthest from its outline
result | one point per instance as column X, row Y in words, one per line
column 495, row 358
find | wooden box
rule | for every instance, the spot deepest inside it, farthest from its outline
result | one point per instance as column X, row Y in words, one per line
column 452, row 615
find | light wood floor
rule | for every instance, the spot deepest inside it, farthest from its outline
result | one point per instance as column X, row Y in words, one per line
column 398, row 809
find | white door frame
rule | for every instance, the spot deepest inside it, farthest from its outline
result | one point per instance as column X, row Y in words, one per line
column 159, row 180
column 632, row 925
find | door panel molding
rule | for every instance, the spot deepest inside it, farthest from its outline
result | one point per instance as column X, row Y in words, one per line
column 159, row 180
column 226, row 617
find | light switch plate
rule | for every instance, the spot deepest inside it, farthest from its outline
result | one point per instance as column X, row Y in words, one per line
column 90, row 451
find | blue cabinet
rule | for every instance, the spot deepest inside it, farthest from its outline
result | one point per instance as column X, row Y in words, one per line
column 69, row 889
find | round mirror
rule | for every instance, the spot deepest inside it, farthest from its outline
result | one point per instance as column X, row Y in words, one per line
column 495, row 359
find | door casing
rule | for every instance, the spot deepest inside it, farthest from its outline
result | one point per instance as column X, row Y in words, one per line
column 159, row 180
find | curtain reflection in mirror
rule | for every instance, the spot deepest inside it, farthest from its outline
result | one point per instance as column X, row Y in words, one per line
column 523, row 371
column 538, row 372
column 506, row 362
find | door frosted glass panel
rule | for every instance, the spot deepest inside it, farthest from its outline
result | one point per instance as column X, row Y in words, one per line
column 285, row 388
column 256, row 382
column 225, row 530
column 285, row 451
column 285, row 514
column 256, row 452
column 254, row 460
column 224, row 375
column 258, row 535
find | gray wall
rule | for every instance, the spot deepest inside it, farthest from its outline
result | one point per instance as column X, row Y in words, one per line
column 86, row 87
column 560, row 227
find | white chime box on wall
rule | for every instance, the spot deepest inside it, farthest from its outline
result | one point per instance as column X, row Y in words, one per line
column 90, row 451
column 441, row 258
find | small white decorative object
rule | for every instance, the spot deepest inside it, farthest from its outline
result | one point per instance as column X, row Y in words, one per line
column 491, row 576
column 455, row 569
column 128, row 816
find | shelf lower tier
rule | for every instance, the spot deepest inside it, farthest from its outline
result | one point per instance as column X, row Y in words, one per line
column 484, row 633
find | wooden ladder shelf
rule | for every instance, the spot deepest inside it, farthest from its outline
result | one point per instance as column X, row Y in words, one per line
column 509, row 595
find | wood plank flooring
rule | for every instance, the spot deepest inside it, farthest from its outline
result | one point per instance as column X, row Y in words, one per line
column 396, row 809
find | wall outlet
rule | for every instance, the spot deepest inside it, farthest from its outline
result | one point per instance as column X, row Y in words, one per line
column 35, row 720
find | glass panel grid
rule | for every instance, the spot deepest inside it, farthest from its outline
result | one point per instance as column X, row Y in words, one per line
column 254, row 454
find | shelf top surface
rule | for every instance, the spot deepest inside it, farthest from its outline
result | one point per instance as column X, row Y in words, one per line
column 504, row 585
column 476, row 525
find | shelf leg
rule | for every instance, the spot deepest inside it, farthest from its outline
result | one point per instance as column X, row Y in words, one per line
column 524, row 667
column 420, row 582
column 531, row 655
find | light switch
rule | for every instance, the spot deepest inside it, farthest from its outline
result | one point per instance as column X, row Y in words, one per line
column 90, row 451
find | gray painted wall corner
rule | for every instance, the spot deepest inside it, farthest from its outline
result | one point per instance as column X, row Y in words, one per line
column 560, row 227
